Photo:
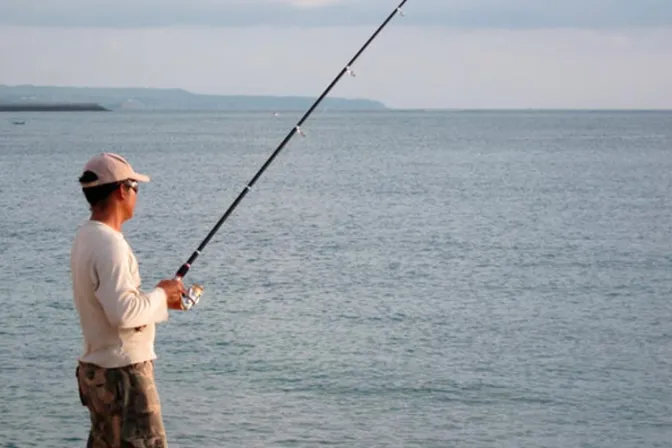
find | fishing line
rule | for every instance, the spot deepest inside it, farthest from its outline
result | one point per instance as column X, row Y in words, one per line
column 194, row 293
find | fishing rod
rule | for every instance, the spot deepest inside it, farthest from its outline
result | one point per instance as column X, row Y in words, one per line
column 193, row 294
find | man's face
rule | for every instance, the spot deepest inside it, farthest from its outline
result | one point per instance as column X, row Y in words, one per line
column 130, row 196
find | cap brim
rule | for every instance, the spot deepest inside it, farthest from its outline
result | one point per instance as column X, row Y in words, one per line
column 141, row 177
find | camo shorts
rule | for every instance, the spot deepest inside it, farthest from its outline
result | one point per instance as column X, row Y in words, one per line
column 124, row 406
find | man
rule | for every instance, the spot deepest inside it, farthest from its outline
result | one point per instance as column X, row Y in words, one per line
column 115, row 371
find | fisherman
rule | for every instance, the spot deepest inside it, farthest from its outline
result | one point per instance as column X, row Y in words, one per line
column 115, row 372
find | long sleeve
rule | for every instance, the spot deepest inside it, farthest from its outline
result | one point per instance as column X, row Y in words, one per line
column 124, row 304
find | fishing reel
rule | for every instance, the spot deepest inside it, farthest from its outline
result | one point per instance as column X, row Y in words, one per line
column 191, row 297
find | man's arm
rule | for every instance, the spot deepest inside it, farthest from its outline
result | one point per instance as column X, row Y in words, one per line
column 125, row 306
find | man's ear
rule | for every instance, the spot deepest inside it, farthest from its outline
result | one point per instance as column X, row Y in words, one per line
column 122, row 193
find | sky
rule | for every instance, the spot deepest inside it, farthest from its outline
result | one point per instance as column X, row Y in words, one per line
column 586, row 54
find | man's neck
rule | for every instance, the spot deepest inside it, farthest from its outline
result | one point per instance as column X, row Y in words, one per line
column 109, row 218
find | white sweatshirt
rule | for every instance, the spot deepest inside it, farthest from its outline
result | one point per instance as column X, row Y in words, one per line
column 117, row 318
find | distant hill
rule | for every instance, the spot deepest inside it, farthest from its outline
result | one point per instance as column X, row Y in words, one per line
column 51, row 107
column 168, row 99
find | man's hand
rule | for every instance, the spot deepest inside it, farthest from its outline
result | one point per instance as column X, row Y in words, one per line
column 174, row 290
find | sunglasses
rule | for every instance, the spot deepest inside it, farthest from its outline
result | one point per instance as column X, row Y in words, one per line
column 132, row 184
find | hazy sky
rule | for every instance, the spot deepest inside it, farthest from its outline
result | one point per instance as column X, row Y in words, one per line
column 440, row 54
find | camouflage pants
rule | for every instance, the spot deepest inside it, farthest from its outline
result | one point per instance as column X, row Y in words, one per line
column 124, row 406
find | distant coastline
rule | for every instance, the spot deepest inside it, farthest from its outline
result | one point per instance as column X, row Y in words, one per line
column 53, row 107
column 52, row 98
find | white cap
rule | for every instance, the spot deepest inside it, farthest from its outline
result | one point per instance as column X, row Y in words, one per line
column 111, row 168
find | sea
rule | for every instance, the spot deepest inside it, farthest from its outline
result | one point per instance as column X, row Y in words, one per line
column 393, row 279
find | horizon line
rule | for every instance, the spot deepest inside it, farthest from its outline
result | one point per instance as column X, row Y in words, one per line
column 388, row 108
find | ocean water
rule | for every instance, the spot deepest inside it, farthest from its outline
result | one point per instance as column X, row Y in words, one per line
column 401, row 279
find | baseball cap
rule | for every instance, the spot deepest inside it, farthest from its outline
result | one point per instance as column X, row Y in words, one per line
column 110, row 168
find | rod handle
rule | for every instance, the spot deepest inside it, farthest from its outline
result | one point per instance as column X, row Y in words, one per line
column 182, row 272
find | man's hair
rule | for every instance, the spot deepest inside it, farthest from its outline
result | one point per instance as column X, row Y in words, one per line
column 96, row 196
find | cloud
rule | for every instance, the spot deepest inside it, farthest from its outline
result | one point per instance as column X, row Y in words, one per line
column 493, row 14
